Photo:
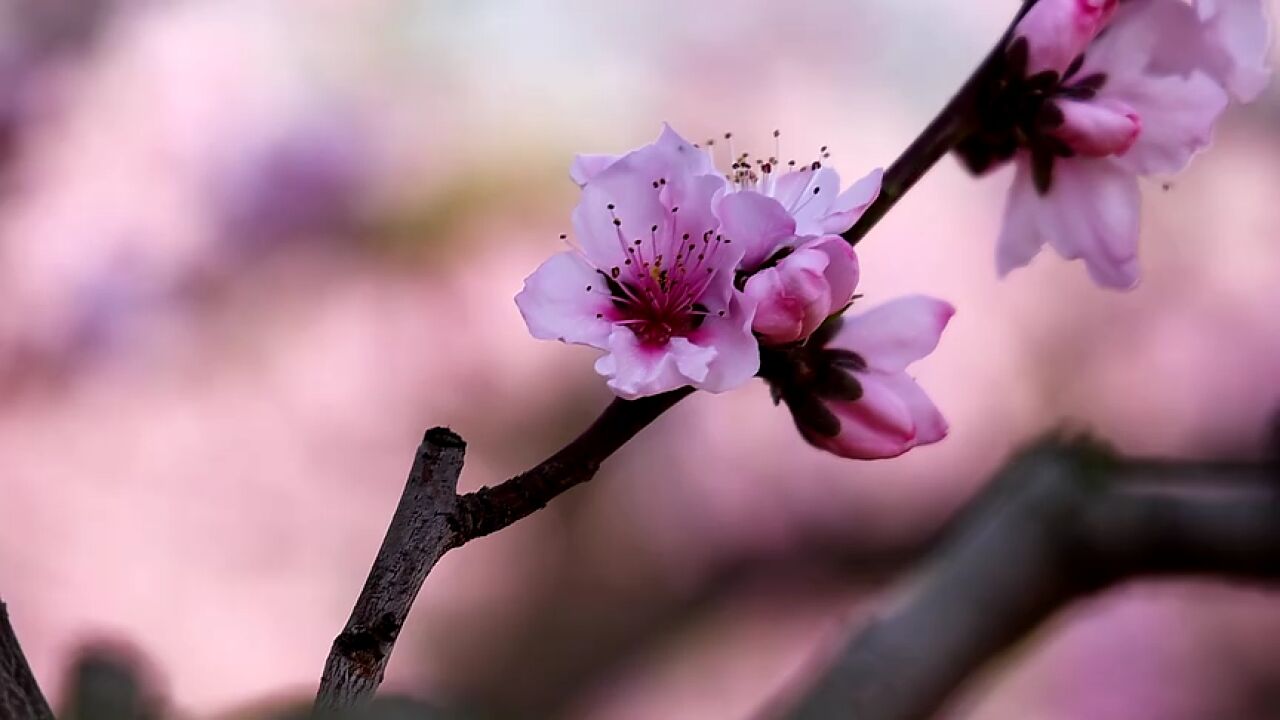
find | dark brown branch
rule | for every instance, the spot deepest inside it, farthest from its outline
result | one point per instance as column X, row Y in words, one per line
column 490, row 509
column 418, row 535
column 20, row 696
column 432, row 519
column 1054, row 526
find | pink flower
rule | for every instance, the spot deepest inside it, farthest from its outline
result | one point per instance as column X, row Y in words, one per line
column 1123, row 110
column 1058, row 31
column 652, row 284
column 797, row 269
column 798, row 293
column 853, row 397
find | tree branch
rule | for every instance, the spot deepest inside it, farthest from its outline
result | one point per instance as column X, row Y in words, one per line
column 1055, row 525
column 418, row 535
column 490, row 509
column 20, row 695
column 493, row 508
column 432, row 519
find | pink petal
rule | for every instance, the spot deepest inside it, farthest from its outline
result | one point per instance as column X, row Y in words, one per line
column 1058, row 31
column 1178, row 114
column 929, row 424
column 792, row 298
column 681, row 152
column 1090, row 213
column 624, row 193
column 878, row 425
column 815, row 201
column 1135, row 39
column 1020, row 239
column 796, row 191
column 852, row 203
column 634, row 369
column 639, row 190
column 893, row 335
column 737, row 353
column 556, row 304
column 1098, row 127
column 1241, row 32
column 758, row 223
column 842, row 268
column 694, row 200
column 585, row 167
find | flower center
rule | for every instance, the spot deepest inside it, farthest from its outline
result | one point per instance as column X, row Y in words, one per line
column 760, row 174
column 657, row 292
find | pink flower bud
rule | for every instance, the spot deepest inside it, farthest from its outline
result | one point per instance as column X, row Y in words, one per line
column 802, row 290
column 1058, row 31
column 887, row 413
column 1098, row 128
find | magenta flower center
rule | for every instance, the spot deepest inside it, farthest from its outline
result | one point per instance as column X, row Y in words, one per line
column 658, row 290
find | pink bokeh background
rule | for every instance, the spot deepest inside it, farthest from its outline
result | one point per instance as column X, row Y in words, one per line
column 249, row 251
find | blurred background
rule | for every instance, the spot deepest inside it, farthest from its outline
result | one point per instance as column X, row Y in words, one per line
column 250, row 250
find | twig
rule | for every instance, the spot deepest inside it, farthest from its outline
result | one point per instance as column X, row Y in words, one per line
column 432, row 519
column 490, row 509
column 1053, row 526
column 20, row 695
column 419, row 534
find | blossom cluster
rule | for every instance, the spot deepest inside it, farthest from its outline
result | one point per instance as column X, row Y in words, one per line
column 1097, row 93
column 688, row 276
column 684, row 273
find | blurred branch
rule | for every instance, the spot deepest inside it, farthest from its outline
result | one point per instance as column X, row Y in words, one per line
column 107, row 684
column 20, row 696
column 418, row 535
column 1058, row 523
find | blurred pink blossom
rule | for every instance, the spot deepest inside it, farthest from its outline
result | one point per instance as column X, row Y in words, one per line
column 1058, row 31
column 1117, row 114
